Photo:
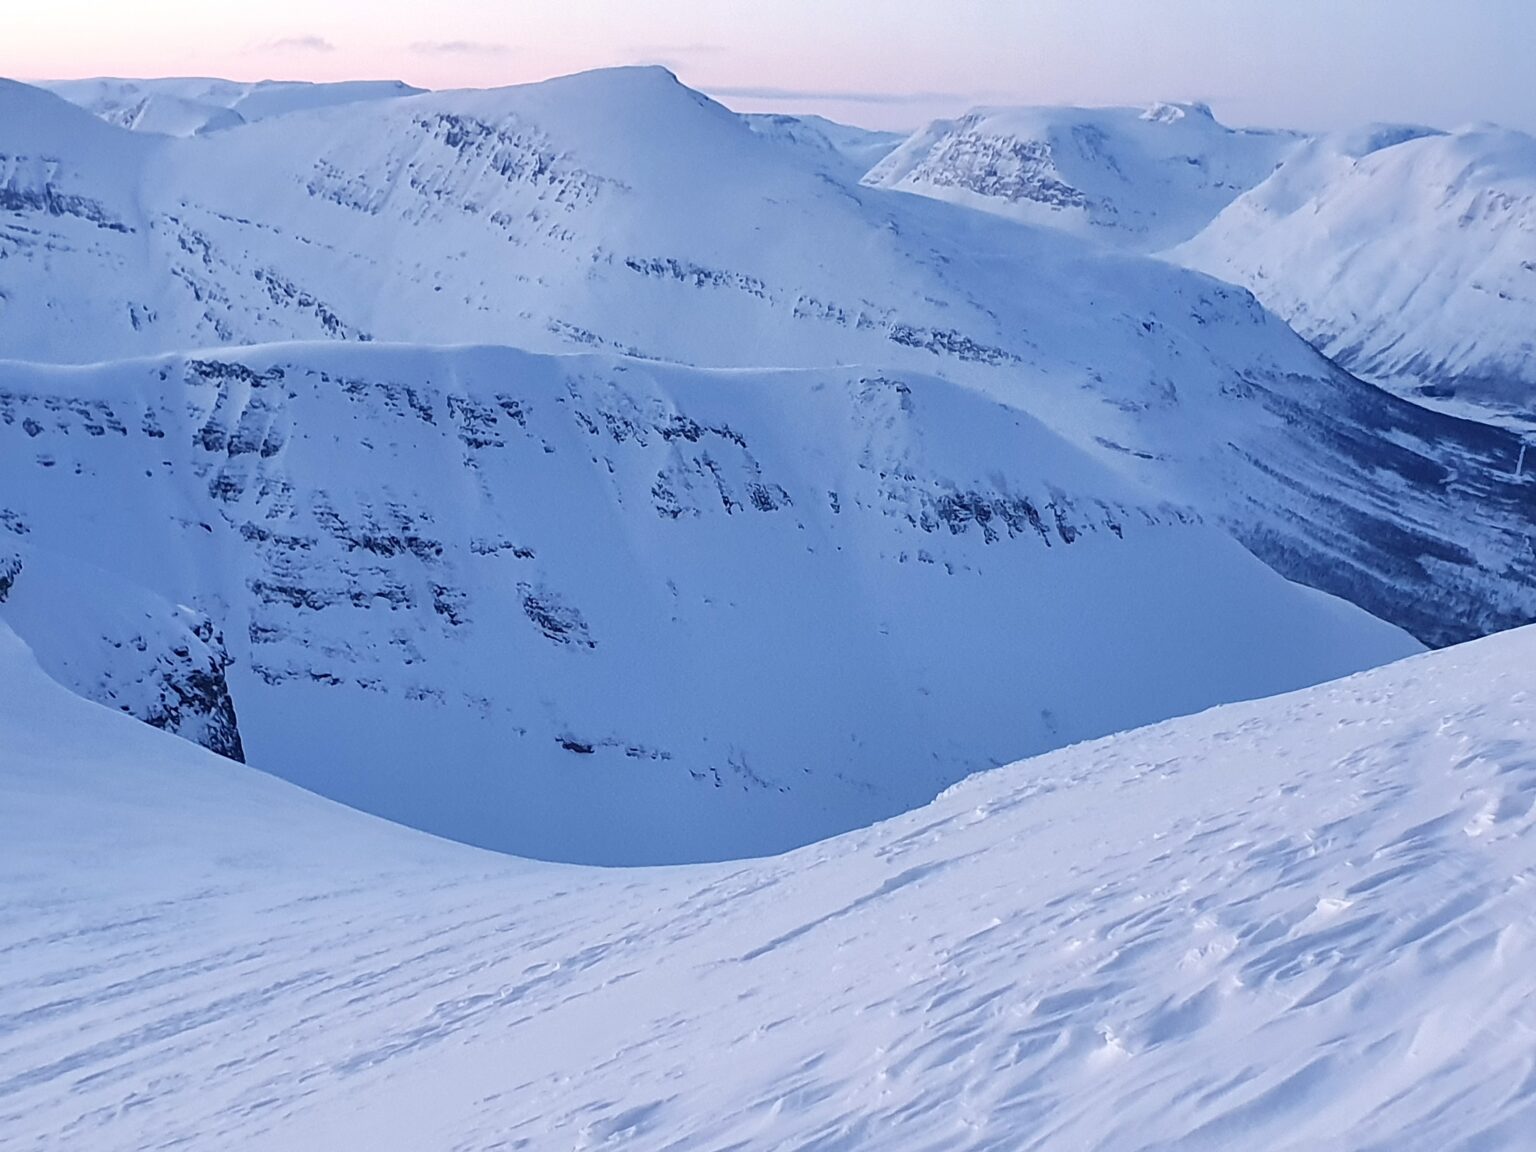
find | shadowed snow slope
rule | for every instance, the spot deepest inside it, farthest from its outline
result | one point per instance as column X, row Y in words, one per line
column 1409, row 256
column 614, row 611
column 1305, row 923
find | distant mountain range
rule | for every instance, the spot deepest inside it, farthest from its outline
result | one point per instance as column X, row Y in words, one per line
column 1406, row 254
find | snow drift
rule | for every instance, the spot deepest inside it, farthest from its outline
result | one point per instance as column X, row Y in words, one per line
column 1306, row 922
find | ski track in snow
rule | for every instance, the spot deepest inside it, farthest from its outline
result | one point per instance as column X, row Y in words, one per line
column 1299, row 923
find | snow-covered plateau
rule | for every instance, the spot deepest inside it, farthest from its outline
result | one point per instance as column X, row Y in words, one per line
column 1305, row 923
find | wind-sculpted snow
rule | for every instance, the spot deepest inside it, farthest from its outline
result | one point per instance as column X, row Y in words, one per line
column 613, row 611
column 1307, row 922
column 1408, row 256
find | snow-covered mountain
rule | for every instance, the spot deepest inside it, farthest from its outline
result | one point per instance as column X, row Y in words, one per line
column 852, row 151
column 1135, row 178
column 119, row 643
column 622, row 212
column 186, row 106
column 1305, row 922
column 605, row 610
column 1407, row 255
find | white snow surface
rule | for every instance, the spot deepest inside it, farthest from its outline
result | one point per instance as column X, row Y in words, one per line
column 186, row 106
column 848, row 150
column 1303, row 923
column 621, row 212
column 1135, row 178
column 613, row 611
column 1407, row 255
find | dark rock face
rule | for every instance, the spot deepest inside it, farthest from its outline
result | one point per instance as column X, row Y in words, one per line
column 192, row 699
column 123, row 648
column 52, row 202
column 10, row 568
column 559, row 621
column 1001, row 167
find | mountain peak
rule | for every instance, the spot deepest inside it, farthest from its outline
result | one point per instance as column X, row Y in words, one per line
column 1163, row 112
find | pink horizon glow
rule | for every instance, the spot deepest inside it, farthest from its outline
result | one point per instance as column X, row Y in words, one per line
column 884, row 63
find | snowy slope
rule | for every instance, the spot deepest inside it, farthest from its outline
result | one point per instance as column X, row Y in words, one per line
column 1409, row 256
column 73, row 230
column 186, row 106
column 620, row 211
column 843, row 148
column 1302, row 923
column 613, row 611
column 1135, row 178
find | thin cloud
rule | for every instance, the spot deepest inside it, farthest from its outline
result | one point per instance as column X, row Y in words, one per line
column 838, row 96
column 679, row 50
column 677, row 57
column 460, row 48
column 300, row 44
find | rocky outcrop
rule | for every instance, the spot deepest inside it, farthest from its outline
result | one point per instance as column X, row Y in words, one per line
column 122, row 646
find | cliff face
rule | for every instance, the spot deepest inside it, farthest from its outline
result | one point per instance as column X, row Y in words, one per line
column 602, row 609
column 121, row 645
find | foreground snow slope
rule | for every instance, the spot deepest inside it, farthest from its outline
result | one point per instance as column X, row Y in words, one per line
column 1135, row 178
column 622, row 212
column 613, row 611
column 1301, row 923
column 1407, row 255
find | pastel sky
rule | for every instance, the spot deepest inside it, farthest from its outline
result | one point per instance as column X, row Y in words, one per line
column 884, row 63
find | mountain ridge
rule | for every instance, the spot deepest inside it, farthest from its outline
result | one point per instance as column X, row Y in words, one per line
column 647, row 613
column 624, row 213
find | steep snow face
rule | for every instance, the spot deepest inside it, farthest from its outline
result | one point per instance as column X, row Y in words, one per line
column 611, row 611
column 185, row 106
column 1409, row 257
column 1305, row 922
column 1140, row 179
column 622, row 212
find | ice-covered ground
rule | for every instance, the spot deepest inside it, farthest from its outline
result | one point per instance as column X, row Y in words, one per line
column 1301, row 923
